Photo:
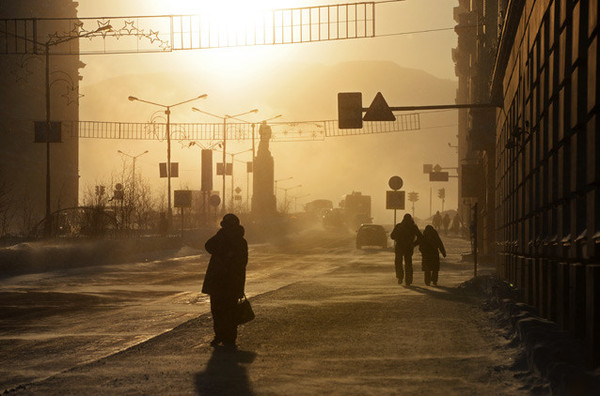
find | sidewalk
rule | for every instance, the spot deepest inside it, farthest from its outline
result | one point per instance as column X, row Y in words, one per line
column 352, row 331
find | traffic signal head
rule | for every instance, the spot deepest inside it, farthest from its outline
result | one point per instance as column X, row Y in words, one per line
column 442, row 193
column 413, row 196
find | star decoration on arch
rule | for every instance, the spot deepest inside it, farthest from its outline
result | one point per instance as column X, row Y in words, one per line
column 77, row 28
column 153, row 36
column 129, row 27
column 102, row 24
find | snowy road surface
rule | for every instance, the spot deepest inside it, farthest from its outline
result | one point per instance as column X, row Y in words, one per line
column 331, row 319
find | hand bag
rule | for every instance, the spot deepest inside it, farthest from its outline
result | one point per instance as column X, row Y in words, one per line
column 243, row 311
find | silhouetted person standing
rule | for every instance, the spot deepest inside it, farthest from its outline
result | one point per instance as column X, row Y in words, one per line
column 430, row 245
column 406, row 235
column 225, row 277
column 446, row 223
column 437, row 220
column 456, row 224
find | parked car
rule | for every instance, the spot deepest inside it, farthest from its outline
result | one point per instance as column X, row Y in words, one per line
column 371, row 235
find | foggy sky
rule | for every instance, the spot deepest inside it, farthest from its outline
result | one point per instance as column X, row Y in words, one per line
column 299, row 81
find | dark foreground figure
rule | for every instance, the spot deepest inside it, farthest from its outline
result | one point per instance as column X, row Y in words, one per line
column 405, row 234
column 430, row 246
column 225, row 277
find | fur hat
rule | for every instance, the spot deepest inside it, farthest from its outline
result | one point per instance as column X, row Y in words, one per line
column 230, row 220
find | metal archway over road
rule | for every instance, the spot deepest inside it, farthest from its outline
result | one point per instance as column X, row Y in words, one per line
column 168, row 33
column 282, row 131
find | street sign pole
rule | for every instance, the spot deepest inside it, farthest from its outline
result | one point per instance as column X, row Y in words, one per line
column 430, row 201
column 396, row 196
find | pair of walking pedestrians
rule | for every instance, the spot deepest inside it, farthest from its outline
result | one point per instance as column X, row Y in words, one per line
column 407, row 235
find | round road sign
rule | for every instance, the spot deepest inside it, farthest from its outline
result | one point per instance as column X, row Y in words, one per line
column 395, row 182
column 214, row 200
column 118, row 186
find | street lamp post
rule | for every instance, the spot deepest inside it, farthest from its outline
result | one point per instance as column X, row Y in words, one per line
column 168, row 133
column 47, row 46
column 133, row 157
column 296, row 197
column 232, row 162
column 285, row 201
column 224, row 118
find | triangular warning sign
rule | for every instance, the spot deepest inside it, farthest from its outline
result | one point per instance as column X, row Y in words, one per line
column 379, row 110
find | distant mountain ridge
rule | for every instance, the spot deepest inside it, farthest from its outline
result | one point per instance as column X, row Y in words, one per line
column 296, row 90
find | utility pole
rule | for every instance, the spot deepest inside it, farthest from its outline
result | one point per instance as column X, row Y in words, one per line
column 474, row 238
column 430, row 201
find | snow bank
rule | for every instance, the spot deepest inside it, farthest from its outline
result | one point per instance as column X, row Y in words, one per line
column 34, row 257
column 550, row 351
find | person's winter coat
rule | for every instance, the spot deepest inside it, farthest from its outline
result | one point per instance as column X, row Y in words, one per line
column 226, row 272
column 430, row 245
column 406, row 234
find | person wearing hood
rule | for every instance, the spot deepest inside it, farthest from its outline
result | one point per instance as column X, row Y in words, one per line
column 225, row 277
column 430, row 245
column 406, row 235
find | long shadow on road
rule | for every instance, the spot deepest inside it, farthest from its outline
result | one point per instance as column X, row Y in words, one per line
column 225, row 373
column 443, row 292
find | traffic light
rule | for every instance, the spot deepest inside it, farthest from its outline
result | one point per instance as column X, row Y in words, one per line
column 442, row 193
column 413, row 196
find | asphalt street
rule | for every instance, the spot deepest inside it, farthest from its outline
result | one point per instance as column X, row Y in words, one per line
column 329, row 319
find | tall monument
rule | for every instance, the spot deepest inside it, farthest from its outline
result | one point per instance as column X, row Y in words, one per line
column 263, row 198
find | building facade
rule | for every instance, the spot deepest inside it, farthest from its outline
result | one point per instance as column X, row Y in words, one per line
column 477, row 31
column 546, row 158
column 23, row 169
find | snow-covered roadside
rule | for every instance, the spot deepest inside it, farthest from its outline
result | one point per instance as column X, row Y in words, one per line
column 33, row 257
column 550, row 352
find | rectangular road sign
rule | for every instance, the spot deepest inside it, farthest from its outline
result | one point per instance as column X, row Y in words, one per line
column 162, row 169
column 350, row 110
column 229, row 169
column 183, row 198
column 394, row 200
column 438, row 176
column 41, row 134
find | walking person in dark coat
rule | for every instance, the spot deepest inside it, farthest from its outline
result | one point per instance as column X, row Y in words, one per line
column 225, row 277
column 446, row 223
column 405, row 234
column 430, row 245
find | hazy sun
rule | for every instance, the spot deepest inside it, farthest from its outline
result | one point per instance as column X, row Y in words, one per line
column 241, row 25
column 232, row 18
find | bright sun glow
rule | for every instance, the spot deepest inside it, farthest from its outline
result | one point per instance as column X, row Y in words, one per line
column 237, row 24
column 229, row 18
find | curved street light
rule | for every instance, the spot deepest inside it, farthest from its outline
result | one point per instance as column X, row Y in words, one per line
column 168, row 133
column 285, row 201
column 225, row 118
column 133, row 157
